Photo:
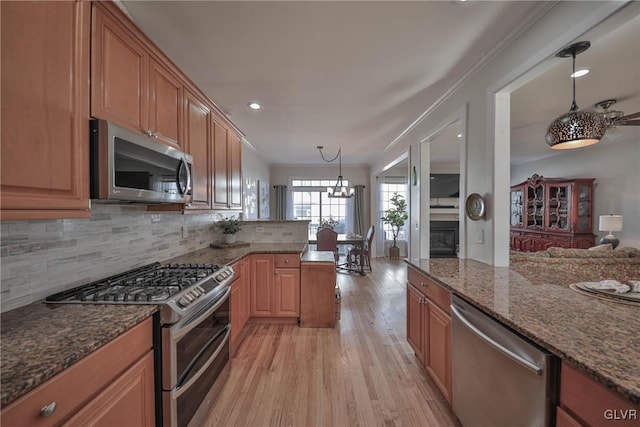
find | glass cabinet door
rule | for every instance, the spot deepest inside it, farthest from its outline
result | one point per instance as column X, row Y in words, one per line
column 535, row 206
column 559, row 197
column 583, row 222
column 516, row 207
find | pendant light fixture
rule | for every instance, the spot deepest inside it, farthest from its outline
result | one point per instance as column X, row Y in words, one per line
column 577, row 128
column 339, row 190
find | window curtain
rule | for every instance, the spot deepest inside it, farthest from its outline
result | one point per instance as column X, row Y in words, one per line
column 355, row 214
column 280, row 202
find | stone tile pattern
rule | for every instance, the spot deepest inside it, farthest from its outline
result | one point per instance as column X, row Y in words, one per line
column 41, row 340
column 598, row 337
column 39, row 258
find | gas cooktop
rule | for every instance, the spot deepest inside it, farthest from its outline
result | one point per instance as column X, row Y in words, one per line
column 178, row 288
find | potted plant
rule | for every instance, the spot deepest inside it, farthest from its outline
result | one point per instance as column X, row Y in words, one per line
column 229, row 227
column 327, row 223
column 395, row 217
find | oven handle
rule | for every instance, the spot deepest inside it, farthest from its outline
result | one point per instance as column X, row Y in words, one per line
column 183, row 327
column 183, row 388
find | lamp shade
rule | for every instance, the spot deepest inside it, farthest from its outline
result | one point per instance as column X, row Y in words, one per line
column 610, row 223
column 576, row 129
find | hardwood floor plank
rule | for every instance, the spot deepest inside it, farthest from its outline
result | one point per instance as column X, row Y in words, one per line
column 362, row 373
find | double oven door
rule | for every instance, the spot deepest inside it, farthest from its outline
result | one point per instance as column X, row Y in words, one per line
column 195, row 356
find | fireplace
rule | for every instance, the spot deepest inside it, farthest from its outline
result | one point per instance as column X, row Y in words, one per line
column 444, row 239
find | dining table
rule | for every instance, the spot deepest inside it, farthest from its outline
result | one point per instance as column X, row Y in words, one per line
column 355, row 240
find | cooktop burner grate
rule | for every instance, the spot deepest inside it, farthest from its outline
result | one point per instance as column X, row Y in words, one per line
column 150, row 283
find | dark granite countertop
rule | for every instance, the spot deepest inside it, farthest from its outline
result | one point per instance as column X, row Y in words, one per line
column 231, row 255
column 599, row 337
column 40, row 340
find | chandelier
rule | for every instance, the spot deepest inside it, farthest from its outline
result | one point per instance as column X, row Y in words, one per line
column 339, row 190
column 577, row 128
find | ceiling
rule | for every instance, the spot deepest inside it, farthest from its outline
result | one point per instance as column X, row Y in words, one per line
column 356, row 74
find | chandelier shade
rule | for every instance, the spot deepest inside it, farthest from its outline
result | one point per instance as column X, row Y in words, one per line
column 576, row 128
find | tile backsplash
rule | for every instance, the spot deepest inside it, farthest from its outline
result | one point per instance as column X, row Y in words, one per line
column 39, row 258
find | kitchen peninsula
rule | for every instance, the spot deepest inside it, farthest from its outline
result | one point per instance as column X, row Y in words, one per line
column 598, row 338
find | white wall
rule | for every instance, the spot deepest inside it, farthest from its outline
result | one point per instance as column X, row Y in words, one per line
column 616, row 168
column 562, row 24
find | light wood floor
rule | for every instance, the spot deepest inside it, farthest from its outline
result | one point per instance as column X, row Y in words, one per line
column 362, row 373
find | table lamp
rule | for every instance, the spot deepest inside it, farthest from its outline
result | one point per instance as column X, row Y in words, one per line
column 610, row 223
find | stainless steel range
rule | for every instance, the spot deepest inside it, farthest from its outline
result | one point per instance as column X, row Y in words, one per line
column 194, row 314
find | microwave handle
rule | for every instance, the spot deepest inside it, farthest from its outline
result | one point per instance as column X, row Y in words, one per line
column 183, row 189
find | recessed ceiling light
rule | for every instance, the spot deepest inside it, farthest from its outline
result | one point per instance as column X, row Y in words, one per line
column 254, row 105
column 459, row 135
column 580, row 73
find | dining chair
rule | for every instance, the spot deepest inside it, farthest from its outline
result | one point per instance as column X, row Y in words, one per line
column 327, row 240
column 354, row 254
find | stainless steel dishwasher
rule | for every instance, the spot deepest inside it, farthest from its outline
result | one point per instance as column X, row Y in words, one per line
column 499, row 378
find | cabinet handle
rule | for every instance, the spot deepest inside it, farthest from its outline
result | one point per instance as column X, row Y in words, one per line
column 49, row 409
column 286, row 261
column 423, row 284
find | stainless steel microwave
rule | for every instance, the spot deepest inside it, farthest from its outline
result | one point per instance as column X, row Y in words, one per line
column 131, row 167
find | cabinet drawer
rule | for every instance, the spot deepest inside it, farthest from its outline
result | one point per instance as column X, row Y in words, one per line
column 593, row 403
column 436, row 293
column 80, row 383
column 287, row 260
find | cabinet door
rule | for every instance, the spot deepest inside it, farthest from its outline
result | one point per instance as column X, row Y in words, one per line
column 236, row 309
column 45, row 107
column 558, row 208
column 119, row 73
column 165, row 104
column 439, row 349
column 246, row 275
column 262, row 285
column 235, row 171
column 414, row 321
column 129, row 400
column 287, row 292
column 198, row 144
column 220, row 166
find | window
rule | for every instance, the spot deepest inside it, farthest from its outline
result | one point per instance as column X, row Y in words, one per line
column 310, row 201
column 387, row 191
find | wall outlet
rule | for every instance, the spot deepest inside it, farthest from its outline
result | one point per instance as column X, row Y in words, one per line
column 185, row 232
column 259, row 229
column 480, row 236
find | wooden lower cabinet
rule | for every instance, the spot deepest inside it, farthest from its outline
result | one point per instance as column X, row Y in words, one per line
column 317, row 295
column 438, row 348
column 240, row 301
column 45, row 110
column 429, row 328
column 113, row 386
column 286, row 287
column 129, row 400
column 275, row 286
column 585, row 402
column 416, row 317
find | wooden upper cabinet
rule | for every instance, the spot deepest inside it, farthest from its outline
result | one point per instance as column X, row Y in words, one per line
column 165, row 103
column 198, row 143
column 220, row 166
column 119, row 73
column 235, row 171
column 129, row 86
column 45, row 107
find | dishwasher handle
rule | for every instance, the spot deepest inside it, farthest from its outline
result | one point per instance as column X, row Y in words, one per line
column 511, row 355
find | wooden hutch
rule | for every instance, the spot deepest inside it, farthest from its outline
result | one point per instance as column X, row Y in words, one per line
column 548, row 212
